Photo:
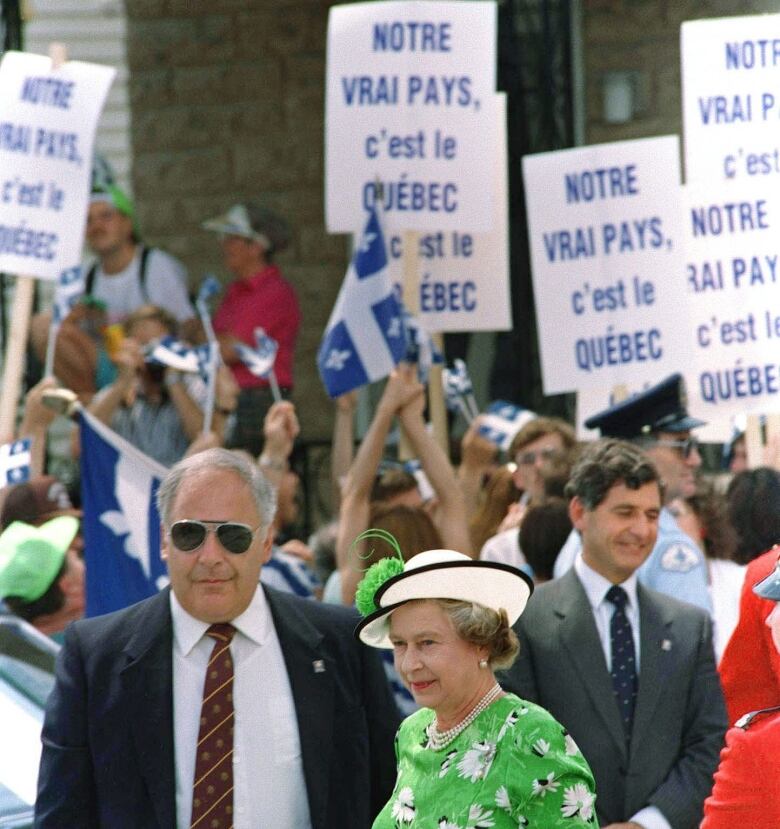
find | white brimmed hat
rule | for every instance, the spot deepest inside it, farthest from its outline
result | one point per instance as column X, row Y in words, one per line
column 252, row 221
column 445, row 574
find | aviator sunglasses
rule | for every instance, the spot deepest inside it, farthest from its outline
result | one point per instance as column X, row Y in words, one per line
column 189, row 534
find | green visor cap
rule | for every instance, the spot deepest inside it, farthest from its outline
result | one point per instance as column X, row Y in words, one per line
column 31, row 557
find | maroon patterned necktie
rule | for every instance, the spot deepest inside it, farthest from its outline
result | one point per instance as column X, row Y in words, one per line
column 212, row 790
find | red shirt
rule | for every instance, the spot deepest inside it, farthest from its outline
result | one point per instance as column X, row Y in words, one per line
column 750, row 666
column 270, row 302
column 747, row 783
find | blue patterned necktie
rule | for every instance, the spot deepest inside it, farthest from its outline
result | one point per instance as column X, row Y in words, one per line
column 623, row 671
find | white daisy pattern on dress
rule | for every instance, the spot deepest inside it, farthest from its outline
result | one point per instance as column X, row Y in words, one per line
column 476, row 761
column 502, row 798
column 403, row 808
column 482, row 782
column 577, row 800
column 540, row 787
column 509, row 722
column 571, row 747
column 447, row 763
column 480, row 819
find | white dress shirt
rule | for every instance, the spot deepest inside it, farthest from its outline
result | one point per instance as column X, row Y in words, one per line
column 269, row 787
column 596, row 588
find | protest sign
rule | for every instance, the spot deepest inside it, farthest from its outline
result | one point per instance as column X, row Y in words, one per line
column 406, row 91
column 733, row 275
column 48, row 118
column 605, row 234
column 731, row 100
column 464, row 277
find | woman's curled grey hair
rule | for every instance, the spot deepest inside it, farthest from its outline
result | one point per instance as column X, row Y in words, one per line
column 484, row 627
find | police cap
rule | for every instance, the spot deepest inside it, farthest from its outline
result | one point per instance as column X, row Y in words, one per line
column 661, row 408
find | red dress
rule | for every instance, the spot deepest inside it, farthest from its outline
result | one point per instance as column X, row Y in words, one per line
column 750, row 667
column 747, row 783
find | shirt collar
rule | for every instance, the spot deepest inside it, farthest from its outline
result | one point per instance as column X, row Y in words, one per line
column 268, row 272
column 596, row 586
column 255, row 622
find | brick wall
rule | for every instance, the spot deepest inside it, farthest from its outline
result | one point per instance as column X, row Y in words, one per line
column 227, row 100
column 643, row 36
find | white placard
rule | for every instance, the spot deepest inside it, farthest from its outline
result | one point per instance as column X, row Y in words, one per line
column 731, row 99
column 464, row 277
column 48, row 119
column 406, row 89
column 605, row 234
column 733, row 280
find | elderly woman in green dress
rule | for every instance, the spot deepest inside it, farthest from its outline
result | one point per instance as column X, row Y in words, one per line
column 472, row 756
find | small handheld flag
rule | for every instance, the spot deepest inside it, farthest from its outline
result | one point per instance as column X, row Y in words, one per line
column 502, row 421
column 15, row 462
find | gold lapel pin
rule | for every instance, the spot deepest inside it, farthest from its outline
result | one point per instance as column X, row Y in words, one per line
column 319, row 666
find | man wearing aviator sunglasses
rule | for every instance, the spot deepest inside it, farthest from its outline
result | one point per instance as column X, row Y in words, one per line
column 310, row 707
column 657, row 421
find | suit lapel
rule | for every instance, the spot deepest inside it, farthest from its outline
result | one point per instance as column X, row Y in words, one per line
column 656, row 659
column 148, row 683
column 580, row 638
column 311, row 677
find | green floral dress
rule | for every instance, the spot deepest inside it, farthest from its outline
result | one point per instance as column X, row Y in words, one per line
column 513, row 767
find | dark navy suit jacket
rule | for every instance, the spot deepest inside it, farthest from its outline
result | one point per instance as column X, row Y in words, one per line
column 108, row 746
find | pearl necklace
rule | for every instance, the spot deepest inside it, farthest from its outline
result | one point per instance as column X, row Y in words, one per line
column 439, row 739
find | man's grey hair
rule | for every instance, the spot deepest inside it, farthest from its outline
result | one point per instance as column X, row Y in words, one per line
column 218, row 460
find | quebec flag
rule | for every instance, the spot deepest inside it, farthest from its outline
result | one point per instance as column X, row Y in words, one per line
column 15, row 462
column 364, row 338
column 69, row 290
column 121, row 525
column 502, row 421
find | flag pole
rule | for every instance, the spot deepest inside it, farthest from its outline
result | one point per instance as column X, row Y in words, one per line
column 211, row 379
column 411, row 294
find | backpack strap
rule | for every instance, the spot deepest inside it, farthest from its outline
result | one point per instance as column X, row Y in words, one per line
column 145, row 251
column 89, row 281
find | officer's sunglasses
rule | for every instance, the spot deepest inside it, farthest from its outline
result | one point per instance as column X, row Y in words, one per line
column 189, row 534
column 685, row 447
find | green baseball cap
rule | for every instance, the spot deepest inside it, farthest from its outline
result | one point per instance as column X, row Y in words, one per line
column 31, row 557
column 116, row 197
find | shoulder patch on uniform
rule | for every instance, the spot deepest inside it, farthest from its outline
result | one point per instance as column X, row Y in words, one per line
column 680, row 558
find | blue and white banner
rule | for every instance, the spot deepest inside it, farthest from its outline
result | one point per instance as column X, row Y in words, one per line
column 121, row 525
column 364, row 339
column 70, row 289
column 502, row 421
column 15, row 461
column 259, row 361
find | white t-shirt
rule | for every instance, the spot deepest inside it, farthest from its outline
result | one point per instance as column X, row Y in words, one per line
column 165, row 285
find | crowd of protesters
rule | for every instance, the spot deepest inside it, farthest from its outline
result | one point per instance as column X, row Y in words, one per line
column 689, row 553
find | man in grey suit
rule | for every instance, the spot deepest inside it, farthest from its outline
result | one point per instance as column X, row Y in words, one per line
column 628, row 671
column 219, row 702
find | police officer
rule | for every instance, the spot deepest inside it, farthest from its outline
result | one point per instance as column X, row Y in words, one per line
column 747, row 783
column 657, row 420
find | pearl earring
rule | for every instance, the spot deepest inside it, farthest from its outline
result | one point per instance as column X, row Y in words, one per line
column 483, row 663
